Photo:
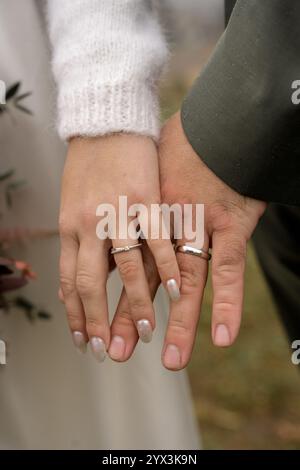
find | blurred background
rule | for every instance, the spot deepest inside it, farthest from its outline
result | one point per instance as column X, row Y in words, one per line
column 246, row 397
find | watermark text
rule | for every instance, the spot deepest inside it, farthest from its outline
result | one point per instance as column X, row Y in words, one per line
column 2, row 92
column 157, row 221
column 2, row 353
column 296, row 354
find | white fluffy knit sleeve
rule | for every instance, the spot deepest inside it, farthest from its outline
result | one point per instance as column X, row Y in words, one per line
column 107, row 58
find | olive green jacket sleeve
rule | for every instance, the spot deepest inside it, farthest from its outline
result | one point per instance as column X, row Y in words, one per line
column 241, row 115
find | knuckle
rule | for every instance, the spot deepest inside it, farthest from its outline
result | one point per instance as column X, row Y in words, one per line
column 190, row 282
column 67, row 285
column 190, row 277
column 226, row 307
column 167, row 265
column 88, row 219
column 179, row 328
column 124, row 318
column 75, row 321
column 92, row 322
column 138, row 195
column 138, row 304
column 226, row 276
column 233, row 254
column 141, row 308
column 223, row 214
column 167, row 191
column 164, row 254
column 65, row 227
column 86, row 284
column 96, row 326
column 128, row 268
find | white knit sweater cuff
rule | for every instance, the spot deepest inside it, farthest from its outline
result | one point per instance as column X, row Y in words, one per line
column 108, row 108
column 108, row 56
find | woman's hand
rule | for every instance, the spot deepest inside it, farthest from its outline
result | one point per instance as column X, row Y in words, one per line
column 99, row 170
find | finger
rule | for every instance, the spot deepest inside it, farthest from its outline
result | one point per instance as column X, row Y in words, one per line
column 166, row 262
column 162, row 251
column 91, row 278
column 69, row 295
column 184, row 314
column 132, row 272
column 228, row 266
column 123, row 330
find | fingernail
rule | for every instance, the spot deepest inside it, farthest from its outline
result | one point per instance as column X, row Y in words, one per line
column 98, row 348
column 173, row 290
column 144, row 330
column 222, row 336
column 117, row 348
column 172, row 358
column 79, row 341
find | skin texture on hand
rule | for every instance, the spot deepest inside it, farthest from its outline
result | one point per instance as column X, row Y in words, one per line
column 230, row 219
column 98, row 171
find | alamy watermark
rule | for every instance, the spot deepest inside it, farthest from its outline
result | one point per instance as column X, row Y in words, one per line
column 2, row 92
column 2, row 353
column 296, row 354
column 156, row 221
column 296, row 93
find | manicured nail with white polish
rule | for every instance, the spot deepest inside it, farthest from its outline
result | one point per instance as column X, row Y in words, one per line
column 79, row 341
column 117, row 348
column 98, row 348
column 173, row 290
column 222, row 336
column 172, row 359
column 144, row 330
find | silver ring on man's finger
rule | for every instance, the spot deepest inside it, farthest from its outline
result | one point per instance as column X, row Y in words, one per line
column 190, row 250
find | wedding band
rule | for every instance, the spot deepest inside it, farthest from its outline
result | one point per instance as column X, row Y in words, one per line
column 122, row 249
column 190, row 250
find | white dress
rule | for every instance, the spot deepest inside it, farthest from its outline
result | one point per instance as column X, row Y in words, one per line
column 50, row 396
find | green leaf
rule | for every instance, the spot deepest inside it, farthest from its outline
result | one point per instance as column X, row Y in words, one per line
column 7, row 175
column 8, row 199
column 24, row 303
column 24, row 109
column 23, row 96
column 30, row 315
column 15, row 185
column 43, row 315
column 12, row 91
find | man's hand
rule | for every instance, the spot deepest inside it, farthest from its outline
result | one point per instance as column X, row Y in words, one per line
column 229, row 222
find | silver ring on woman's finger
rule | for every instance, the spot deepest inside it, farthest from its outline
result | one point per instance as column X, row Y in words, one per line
column 126, row 248
column 190, row 250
